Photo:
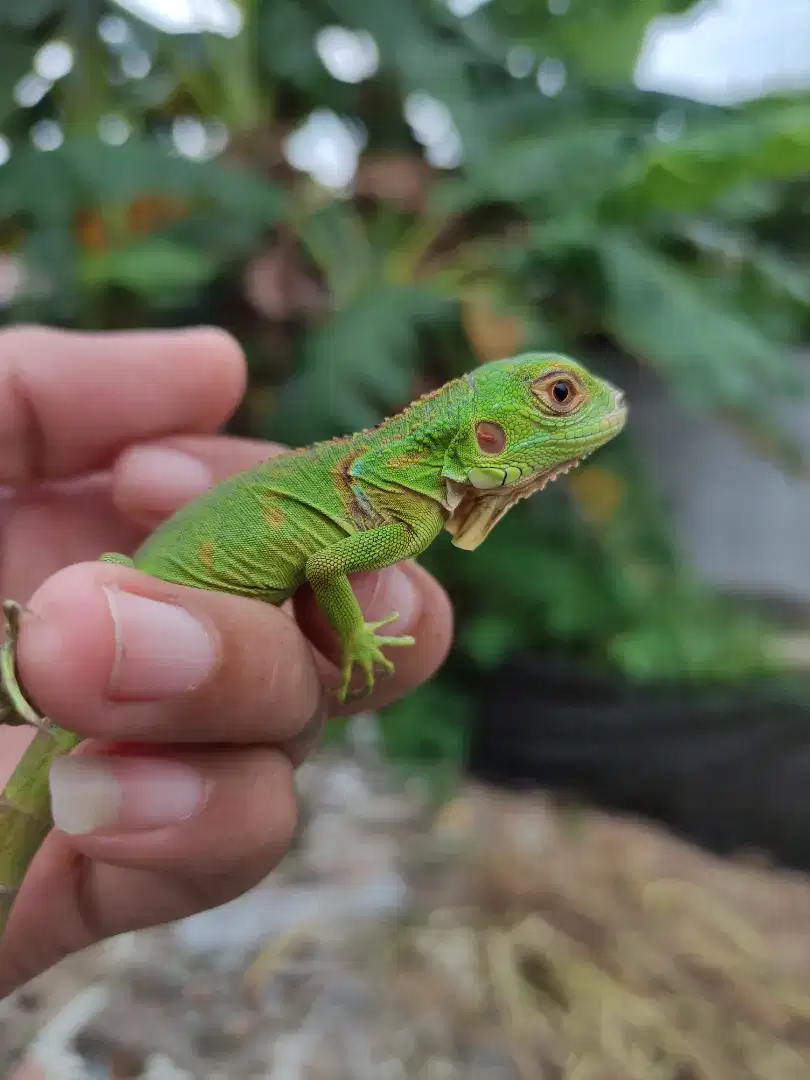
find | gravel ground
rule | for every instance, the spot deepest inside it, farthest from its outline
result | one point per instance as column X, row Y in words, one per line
column 502, row 938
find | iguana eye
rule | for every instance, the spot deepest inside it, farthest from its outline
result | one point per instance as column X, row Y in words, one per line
column 491, row 438
column 558, row 392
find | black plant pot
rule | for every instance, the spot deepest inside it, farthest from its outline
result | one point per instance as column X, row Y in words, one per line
column 727, row 767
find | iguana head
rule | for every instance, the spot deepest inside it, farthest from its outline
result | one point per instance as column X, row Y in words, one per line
column 523, row 423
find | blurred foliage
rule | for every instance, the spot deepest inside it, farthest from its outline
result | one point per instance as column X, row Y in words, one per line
column 584, row 214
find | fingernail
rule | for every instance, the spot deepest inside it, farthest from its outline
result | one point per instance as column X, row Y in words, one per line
column 160, row 650
column 166, row 476
column 388, row 591
column 90, row 793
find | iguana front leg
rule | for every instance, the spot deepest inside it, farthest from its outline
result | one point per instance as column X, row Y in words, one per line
column 327, row 572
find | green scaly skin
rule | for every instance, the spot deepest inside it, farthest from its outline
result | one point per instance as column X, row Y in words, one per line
column 456, row 459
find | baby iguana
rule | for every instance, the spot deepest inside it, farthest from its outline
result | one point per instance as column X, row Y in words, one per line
column 456, row 459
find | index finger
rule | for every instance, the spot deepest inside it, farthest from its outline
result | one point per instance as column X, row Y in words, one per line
column 70, row 402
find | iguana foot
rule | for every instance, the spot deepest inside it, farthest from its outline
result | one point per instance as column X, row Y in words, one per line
column 114, row 557
column 15, row 708
column 365, row 648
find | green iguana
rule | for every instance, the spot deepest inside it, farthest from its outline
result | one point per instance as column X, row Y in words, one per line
column 457, row 459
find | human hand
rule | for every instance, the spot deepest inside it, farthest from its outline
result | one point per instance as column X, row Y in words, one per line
column 196, row 706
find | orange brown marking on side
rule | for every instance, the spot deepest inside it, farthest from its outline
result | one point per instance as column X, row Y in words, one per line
column 404, row 461
column 206, row 554
column 361, row 514
column 273, row 514
column 342, row 478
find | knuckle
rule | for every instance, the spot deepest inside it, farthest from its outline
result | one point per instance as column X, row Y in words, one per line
column 273, row 815
column 268, row 667
column 293, row 678
column 251, row 817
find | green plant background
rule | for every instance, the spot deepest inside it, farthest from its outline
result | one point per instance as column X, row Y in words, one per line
column 602, row 220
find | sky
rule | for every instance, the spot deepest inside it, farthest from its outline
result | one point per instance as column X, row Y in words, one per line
column 729, row 50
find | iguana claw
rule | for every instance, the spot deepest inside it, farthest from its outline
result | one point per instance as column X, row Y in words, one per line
column 365, row 648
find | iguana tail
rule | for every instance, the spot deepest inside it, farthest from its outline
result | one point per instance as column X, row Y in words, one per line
column 25, row 805
column 25, row 812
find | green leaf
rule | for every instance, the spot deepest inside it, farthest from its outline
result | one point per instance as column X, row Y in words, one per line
column 762, row 141
column 120, row 174
column 88, row 173
column 287, row 43
column 567, row 169
column 53, row 258
column 488, row 638
column 691, row 637
column 603, row 39
column 781, row 273
column 37, row 185
column 411, row 45
column 359, row 365
column 336, row 239
column 714, row 357
column 428, row 729
column 772, row 288
column 150, row 269
column 27, row 14
column 15, row 61
column 600, row 38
